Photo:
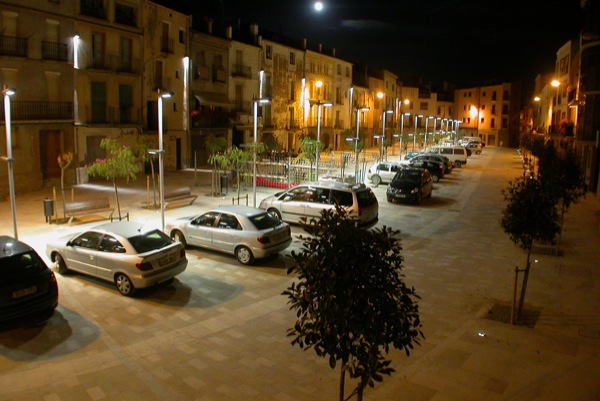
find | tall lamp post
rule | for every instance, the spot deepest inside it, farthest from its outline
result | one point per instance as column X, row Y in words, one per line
column 256, row 102
column 383, row 131
column 555, row 118
column 319, row 104
column 416, row 129
column 356, row 139
column 401, row 136
column 161, row 167
column 7, row 93
column 427, row 127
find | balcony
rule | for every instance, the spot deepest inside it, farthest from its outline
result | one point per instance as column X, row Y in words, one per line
column 239, row 70
column 121, row 115
column 13, row 46
column 100, row 63
column 166, row 45
column 55, row 51
column 39, row 110
column 125, row 65
column 207, row 119
column 201, row 73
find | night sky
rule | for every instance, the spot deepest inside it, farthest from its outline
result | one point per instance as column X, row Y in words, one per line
column 466, row 42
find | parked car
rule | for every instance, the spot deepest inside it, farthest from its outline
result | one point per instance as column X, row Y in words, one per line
column 123, row 252
column 244, row 231
column 411, row 184
column 474, row 147
column 307, row 200
column 436, row 168
column 435, row 158
column 383, row 171
column 457, row 154
column 28, row 289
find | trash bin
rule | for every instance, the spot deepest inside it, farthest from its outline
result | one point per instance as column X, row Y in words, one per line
column 224, row 183
column 48, row 209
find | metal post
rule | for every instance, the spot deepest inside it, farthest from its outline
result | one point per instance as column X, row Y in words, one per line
column 161, row 167
column 9, row 159
column 254, row 153
column 317, row 155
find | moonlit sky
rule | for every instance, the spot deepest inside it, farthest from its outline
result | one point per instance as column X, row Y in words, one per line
column 460, row 41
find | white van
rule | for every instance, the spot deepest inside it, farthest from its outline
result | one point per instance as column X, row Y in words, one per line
column 456, row 154
column 466, row 139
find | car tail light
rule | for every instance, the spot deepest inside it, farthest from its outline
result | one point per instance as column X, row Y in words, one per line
column 144, row 266
column 264, row 240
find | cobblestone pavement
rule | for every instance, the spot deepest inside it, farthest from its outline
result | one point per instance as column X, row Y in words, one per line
column 218, row 333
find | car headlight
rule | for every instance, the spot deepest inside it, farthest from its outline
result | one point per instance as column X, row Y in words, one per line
column 391, row 190
column 415, row 190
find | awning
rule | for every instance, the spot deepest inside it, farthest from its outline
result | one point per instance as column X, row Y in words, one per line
column 212, row 99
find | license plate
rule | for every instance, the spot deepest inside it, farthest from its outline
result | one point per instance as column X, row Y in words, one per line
column 24, row 292
column 401, row 196
column 167, row 259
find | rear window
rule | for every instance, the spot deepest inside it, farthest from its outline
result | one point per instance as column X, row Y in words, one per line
column 366, row 198
column 150, row 241
column 343, row 198
column 459, row 152
column 264, row 220
column 22, row 264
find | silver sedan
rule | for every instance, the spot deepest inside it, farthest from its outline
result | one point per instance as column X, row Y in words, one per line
column 243, row 231
column 122, row 252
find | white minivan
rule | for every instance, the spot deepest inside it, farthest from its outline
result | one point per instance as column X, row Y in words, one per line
column 456, row 154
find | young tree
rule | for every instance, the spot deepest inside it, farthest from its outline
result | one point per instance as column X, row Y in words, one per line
column 530, row 215
column 64, row 160
column 309, row 151
column 120, row 162
column 233, row 158
column 350, row 298
column 561, row 173
column 215, row 145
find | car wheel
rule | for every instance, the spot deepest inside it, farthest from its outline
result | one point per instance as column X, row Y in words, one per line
column 124, row 285
column 179, row 237
column 478, row 152
column 458, row 164
column 435, row 177
column 376, row 179
column 390, row 200
column 244, row 255
column 61, row 266
column 275, row 213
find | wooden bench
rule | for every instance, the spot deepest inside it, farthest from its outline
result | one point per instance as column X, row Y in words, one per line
column 90, row 207
column 179, row 197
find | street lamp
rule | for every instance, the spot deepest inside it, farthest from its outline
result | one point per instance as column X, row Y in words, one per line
column 415, row 133
column 8, row 92
column 555, row 116
column 356, row 139
column 256, row 102
column 401, row 136
column 161, row 168
column 426, row 127
column 383, row 130
column 319, row 104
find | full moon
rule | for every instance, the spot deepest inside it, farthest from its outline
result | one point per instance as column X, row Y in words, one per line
column 318, row 6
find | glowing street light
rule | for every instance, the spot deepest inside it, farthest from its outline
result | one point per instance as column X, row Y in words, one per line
column 319, row 104
column 356, row 139
column 8, row 92
column 416, row 129
column 256, row 102
column 161, row 168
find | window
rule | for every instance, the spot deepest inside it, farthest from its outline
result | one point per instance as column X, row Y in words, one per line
column 97, row 50
column 492, row 123
column 292, row 91
column 423, row 106
column 347, row 72
column 98, row 95
column 125, row 103
column 89, row 240
column 339, row 69
column 494, row 95
column 206, row 220
column 111, row 244
column 230, row 222
column 483, row 94
column 126, row 56
column 268, row 51
column 124, row 14
column 493, row 109
column 292, row 58
column 504, row 123
column 181, row 35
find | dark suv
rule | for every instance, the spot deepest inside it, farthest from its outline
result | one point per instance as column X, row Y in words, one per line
column 28, row 289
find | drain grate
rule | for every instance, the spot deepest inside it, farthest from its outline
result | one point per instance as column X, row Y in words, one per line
column 501, row 313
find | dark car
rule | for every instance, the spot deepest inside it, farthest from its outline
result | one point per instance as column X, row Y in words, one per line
column 28, row 289
column 411, row 184
column 424, row 157
column 436, row 169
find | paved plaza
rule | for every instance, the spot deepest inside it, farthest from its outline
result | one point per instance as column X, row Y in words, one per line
column 219, row 331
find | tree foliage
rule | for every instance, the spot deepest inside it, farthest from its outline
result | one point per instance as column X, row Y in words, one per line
column 350, row 298
column 120, row 162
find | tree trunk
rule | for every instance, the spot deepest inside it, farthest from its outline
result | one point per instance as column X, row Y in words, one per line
column 154, row 205
column 62, row 191
column 524, row 286
column 342, row 381
column 562, row 219
column 117, row 198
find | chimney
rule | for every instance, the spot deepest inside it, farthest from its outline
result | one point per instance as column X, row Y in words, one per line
column 333, row 52
column 209, row 24
column 304, row 44
column 320, row 48
column 229, row 32
column 254, row 29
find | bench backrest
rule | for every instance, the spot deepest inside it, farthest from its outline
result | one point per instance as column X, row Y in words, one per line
column 100, row 203
column 185, row 191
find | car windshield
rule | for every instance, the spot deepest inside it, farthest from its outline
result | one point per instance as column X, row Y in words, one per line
column 264, row 220
column 150, row 241
column 412, row 175
column 22, row 264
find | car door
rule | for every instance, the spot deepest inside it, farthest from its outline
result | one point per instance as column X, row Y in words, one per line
column 199, row 231
column 227, row 233
column 111, row 253
column 318, row 200
column 293, row 203
column 80, row 253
